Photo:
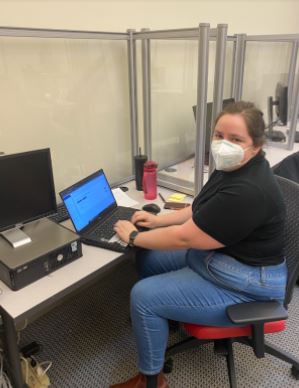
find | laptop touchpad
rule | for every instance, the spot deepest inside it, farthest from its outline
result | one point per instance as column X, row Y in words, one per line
column 116, row 239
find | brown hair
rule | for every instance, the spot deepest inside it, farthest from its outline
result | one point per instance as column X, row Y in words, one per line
column 253, row 118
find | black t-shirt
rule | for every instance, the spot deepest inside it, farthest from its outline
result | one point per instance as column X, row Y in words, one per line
column 244, row 210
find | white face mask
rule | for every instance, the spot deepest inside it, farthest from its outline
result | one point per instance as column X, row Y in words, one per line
column 227, row 155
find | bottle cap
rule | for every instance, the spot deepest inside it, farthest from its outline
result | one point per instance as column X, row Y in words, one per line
column 150, row 164
column 140, row 157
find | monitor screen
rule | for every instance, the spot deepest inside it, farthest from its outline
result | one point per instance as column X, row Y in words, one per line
column 281, row 97
column 281, row 106
column 88, row 199
column 209, row 123
column 27, row 187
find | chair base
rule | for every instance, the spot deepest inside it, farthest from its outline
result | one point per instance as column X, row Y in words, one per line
column 225, row 347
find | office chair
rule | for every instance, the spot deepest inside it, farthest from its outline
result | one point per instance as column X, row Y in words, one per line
column 256, row 318
column 288, row 167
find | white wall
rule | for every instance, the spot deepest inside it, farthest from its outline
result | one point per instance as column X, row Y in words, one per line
column 250, row 16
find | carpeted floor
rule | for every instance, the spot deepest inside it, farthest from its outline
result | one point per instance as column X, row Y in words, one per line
column 90, row 342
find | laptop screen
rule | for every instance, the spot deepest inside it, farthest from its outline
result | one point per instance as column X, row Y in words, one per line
column 87, row 199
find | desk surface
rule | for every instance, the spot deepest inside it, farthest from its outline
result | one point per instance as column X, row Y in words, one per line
column 17, row 303
column 45, row 291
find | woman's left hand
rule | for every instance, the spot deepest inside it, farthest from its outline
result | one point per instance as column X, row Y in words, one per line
column 124, row 229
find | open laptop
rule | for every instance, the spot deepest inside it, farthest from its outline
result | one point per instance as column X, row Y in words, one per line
column 93, row 211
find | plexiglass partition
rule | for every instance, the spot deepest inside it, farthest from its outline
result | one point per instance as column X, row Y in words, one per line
column 173, row 92
column 71, row 91
column 71, row 95
column 269, row 81
column 266, row 64
column 173, row 100
column 261, row 69
column 202, row 35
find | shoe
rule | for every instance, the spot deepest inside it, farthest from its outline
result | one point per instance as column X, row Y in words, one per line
column 139, row 381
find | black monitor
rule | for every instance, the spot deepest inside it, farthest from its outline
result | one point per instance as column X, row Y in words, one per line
column 226, row 102
column 27, row 192
column 280, row 102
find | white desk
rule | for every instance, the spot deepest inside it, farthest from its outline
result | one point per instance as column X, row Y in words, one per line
column 19, row 307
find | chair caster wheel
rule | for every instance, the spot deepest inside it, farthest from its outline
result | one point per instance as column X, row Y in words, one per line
column 168, row 365
column 295, row 372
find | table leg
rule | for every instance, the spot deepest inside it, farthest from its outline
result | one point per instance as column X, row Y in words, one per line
column 12, row 351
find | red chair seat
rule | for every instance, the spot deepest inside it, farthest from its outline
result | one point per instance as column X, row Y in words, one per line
column 215, row 332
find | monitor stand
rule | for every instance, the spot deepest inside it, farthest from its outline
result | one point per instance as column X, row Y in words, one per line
column 275, row 136
column 16, row 237
column 272, row 134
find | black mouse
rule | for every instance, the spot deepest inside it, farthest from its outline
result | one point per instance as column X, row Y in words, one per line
column 151, row 208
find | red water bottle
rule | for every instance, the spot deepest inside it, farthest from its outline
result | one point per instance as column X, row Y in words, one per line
column 149, row 181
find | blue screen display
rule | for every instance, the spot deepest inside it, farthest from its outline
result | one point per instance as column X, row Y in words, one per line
column 88, row 200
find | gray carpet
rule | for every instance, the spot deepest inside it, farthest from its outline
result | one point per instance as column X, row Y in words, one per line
column 89, row 340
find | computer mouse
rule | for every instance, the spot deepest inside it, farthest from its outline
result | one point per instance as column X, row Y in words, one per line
column 152, row 208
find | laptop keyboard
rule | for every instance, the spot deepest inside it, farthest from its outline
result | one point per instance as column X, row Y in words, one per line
column 61, row 215
column 105, row 229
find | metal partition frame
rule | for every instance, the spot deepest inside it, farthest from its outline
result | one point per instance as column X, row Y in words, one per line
column 238, row 66
column 201, row 104
column 133, row 94
column 291, row 78
column 146, row 88
column 293, row 98
column 294, row 112
column 204, row 35
column 218, row 81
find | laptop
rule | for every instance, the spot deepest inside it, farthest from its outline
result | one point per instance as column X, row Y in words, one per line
column 93, row 211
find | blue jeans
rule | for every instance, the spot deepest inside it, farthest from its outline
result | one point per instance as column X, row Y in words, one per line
column 192, row 286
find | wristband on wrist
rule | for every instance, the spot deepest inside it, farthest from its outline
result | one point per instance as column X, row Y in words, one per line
column 132, row 237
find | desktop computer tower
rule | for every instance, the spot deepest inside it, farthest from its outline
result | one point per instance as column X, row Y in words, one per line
column 52, row 246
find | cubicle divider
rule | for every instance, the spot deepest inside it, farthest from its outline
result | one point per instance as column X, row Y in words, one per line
column 286, row 56
column 93, row 121
column 82, row 133
column 72, row 91
column 204, row 35
column 177, row 175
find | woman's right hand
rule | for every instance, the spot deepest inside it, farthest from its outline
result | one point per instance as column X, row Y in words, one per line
column 145, row 219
